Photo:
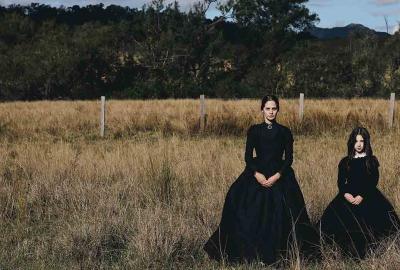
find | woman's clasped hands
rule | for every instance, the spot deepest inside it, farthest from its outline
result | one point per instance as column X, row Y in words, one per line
column 267, row 182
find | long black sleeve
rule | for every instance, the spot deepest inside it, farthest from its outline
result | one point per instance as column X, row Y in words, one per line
column 372, row 180
column 250, row 145
column 342, row 177
column 288, row 151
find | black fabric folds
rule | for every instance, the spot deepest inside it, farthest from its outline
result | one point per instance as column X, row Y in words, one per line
column 355, row 228
column 260, row 223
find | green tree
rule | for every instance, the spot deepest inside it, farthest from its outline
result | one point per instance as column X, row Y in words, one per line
column 272, row 28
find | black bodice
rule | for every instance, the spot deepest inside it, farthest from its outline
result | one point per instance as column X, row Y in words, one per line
column 355, row 178
column 270, row 144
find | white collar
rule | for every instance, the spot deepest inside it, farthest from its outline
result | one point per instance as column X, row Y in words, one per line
column 360, row 155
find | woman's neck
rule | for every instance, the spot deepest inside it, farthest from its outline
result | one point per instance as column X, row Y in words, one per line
column 268, row 121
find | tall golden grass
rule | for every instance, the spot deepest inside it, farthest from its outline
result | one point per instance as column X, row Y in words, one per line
column 139, row 199
column 124, row 119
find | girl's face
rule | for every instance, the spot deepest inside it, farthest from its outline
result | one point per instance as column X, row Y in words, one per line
column 359, row 145
column 270, row 110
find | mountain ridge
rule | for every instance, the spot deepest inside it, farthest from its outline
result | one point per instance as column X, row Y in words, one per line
column 344, row 31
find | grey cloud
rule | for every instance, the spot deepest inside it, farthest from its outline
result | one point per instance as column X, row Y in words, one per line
column 392, row 12
column 386, row 2
column 319, row 3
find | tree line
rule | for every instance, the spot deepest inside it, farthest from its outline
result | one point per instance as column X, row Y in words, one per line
column 161, row 51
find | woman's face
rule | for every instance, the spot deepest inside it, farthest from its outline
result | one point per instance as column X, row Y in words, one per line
column 359, row 145
column 270, row 110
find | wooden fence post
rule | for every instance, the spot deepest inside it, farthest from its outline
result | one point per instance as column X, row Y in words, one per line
column 391, row 110
column 202, row 113
column 301, row 107
column 102, row 115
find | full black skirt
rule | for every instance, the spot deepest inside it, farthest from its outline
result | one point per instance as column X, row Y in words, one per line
column 261, row 223
column 355, row 228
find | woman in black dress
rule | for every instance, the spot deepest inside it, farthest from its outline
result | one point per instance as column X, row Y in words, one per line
column 264, row 208
column 359, row 215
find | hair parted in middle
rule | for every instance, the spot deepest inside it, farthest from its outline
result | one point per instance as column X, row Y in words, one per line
column 269, row 98
column 370, row 158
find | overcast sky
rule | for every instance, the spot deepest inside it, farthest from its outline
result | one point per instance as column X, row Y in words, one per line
column 332, row 13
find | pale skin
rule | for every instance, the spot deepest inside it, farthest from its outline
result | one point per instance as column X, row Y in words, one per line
column 359, row 148
column 269, row 112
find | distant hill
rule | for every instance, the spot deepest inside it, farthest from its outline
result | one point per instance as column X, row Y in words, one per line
column 343, row 32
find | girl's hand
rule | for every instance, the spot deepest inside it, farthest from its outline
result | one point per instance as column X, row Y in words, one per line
column 349, row 198
column 273, row 179
column 357, row 200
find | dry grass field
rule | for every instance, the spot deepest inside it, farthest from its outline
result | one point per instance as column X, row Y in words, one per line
column 151, row 192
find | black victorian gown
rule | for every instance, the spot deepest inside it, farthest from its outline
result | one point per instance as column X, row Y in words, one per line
column 259, row 223
column 355, row 228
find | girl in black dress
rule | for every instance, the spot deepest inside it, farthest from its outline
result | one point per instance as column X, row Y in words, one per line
column 359, row 215
column 264, row 208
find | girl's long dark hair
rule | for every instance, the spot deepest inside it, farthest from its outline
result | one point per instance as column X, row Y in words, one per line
column 371, row 160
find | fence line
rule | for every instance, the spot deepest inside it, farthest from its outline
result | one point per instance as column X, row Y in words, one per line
column 301, row 107
column 391, row 110
column 202, row 113
column 102, row 115
column 301, row 110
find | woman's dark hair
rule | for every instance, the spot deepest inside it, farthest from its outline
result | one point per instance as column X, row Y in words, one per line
column 370, row 159
column 269, row 98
